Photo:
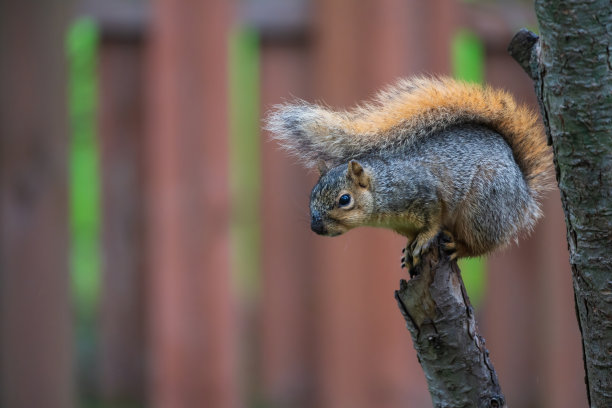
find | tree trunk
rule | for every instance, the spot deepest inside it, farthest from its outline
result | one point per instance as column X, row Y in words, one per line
column 441, row 320
column 571, row 66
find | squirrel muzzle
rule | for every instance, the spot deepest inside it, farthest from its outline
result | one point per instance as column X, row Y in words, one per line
column 324, row 226
column 317, row 225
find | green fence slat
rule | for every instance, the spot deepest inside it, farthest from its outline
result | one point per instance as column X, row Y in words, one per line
column 468, row 63
column 245, row 161
column 84, row 193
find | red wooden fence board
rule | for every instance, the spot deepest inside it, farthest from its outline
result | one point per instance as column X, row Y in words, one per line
column 286, row 300
column 122, row 305
column 191, row 318
column 35, row 315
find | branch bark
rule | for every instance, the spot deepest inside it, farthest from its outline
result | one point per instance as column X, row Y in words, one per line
column 571, row 66
column 441, row 321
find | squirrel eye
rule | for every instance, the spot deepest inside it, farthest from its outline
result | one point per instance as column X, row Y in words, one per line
column 344, row 200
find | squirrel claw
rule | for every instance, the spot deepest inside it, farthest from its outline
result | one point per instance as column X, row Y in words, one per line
column 447, row 237
column 406, row 260
column 449, row 245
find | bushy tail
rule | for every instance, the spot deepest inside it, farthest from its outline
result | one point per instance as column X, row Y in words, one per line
column 400, row 115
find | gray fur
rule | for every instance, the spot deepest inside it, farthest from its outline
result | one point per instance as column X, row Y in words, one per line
column 431, row 154
column 291, row 125
column 464, row 178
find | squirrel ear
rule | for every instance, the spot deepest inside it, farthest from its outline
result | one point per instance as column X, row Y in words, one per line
column 358, row 174
column 323, row 167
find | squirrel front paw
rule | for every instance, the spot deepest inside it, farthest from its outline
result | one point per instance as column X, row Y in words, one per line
column 422, row 243
column 411, row 254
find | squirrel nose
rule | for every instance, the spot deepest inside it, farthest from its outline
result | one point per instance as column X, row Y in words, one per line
column 316, row 224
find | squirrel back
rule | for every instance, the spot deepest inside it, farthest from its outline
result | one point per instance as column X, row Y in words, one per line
column 403, row 114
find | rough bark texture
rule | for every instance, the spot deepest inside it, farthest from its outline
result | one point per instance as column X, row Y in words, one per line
column 571, row 66
column 441, row 320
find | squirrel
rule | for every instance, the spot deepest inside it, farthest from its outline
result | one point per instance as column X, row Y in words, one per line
column 425, row 156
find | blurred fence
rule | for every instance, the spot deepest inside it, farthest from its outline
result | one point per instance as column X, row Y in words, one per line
column 195, row 278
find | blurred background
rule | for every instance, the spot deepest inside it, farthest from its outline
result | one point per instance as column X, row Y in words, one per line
column 155, row 244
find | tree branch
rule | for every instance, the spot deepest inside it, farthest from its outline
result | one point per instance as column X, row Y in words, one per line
column 521, row 48
column 441, row 320
column 525, row 48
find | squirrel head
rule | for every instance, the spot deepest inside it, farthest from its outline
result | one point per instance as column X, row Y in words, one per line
column 341, row 200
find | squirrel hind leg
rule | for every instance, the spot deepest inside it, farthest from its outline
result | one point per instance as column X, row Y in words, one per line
column 449, row 245
column 452, row 247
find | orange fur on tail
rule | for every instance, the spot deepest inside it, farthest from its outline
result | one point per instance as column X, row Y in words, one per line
column 406, row 112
